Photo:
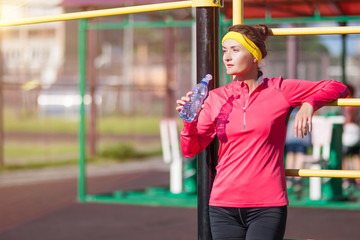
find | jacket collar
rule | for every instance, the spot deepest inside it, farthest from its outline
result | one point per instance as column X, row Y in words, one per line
column 259, row 80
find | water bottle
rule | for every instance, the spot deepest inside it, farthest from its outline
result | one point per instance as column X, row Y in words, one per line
column 193, row 107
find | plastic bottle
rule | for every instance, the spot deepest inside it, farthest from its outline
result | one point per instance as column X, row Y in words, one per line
column 193, row 107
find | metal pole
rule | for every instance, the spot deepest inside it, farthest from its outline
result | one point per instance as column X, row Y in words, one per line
column 82, row 85
column 128, row 67
column 169, row 47
column 91, row 75
column 98, row 13
column 315, row 30
column 238, row 12
column 345, row 102
column 292, row 57
column 207, row 49
column 323, row 173
column 2, row 163
column 343, row 54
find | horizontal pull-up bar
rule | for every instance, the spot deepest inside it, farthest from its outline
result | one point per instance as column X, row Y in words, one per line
column 345, row 102
column 98, row 13
column 322, row 173
column 168, row 6
column 315, row 30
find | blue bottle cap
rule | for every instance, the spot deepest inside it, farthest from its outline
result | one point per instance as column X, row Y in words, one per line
column 206, row 79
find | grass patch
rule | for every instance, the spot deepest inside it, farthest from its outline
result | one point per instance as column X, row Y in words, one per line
column 37, row 165
column 39, row 154
column 124, row 151
column 129, row 125
column 40, row 165
column 32, row 123
column 25, row 150
column 115, row 152
column 147, row 125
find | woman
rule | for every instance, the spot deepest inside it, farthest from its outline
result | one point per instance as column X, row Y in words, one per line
column 248, row 199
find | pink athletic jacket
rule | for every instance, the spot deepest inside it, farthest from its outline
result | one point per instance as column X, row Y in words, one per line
column 251, row 130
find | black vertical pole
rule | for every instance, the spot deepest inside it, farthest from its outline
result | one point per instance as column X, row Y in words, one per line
column 207, row 51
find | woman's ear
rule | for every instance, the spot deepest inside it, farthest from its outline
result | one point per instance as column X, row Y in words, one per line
column 255, row 60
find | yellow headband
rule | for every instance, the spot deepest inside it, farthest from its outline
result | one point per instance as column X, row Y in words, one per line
column 247, row 43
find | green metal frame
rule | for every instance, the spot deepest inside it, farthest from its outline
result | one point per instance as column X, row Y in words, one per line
column 150, row 196
column 162, row 196
column 82, row 87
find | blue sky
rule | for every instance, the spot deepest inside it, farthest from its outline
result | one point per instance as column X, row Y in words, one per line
column 333, row 42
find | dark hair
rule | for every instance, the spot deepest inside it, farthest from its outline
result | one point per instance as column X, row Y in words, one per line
column 351, row 90
column 256, row 33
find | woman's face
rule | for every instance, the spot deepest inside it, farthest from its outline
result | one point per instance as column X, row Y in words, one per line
column 237, row 59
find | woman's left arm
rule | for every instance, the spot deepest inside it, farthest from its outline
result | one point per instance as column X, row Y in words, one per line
column 317, row 94
column 311, row 96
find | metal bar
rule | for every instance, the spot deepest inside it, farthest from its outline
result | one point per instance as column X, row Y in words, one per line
column 98, row 13
column 345, row 102
column 82, row 85
column 315, row 30
column 2, row 140
column 207, row 3
column 292, row 56
column 169, row 57
column 322, row 173
column 159, row 7
column 166, row 6
column 238, row 12
column 92, row 77
column 207, row 49
column 343, row 54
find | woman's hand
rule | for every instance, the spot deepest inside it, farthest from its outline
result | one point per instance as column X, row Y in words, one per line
column 181, row 102
column 303, row 116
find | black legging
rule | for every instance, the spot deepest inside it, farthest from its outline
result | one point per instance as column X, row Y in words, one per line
column 260, row 223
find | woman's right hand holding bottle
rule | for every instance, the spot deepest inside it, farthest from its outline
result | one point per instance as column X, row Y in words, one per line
column 181, row 102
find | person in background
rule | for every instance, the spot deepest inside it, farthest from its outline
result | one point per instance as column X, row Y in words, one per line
column 295, row 151
column 248, row 199
column 351, row 141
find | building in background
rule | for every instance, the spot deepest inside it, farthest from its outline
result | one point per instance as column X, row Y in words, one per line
column 33, row 55
column 40, row 61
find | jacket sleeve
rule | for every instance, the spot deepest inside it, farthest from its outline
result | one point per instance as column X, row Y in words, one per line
column 317, row 94
column 197, row 135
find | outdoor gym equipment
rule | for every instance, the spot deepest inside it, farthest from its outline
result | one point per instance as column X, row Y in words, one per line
column 207, row 21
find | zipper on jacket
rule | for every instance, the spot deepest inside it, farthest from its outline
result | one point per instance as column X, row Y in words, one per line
column 247, row 103
column 244, row 108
